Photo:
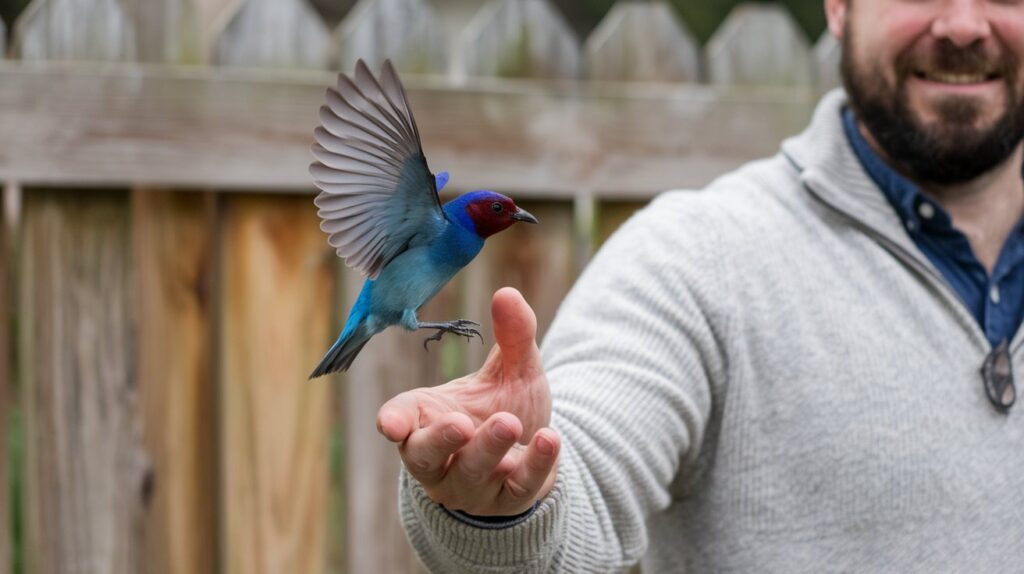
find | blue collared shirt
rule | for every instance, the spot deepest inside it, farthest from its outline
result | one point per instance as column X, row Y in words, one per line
column 996, row 301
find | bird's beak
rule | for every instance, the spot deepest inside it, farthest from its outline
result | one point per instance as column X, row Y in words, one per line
column 523, row 215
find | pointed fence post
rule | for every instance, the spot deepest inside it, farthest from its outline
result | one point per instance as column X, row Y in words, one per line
column 87, row 476
column 275, row 34
column 827, row 55
column 518, row 38
column 406, row 31
column 759, row 44
column 642, row 41
column 74, row 30
column 275, row 291
column 177, row 31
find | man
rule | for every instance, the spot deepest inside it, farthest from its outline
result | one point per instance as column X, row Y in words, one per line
column 803, row 368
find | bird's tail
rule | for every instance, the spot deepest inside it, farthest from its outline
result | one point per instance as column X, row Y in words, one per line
column 341, row 354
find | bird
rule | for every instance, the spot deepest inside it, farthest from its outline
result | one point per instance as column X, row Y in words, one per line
column 379, row 204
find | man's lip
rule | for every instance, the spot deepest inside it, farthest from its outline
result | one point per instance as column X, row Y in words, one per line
column 966, row 89
column 956, row 78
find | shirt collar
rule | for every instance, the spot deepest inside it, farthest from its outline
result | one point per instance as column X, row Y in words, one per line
column 915, row 209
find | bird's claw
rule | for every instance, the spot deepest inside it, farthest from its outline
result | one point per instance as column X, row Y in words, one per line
column 460, row 327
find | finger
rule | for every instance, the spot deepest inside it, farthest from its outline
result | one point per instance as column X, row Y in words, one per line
column 535, row 466
column 515, row 329
column 479, row 459
column 427, row 450
column 399, row 417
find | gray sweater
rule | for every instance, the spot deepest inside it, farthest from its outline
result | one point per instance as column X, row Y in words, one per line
column 764, row 376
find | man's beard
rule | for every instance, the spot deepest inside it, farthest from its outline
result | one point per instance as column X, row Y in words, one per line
column 952, row 150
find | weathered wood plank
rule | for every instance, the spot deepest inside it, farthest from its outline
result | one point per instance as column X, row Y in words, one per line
column 171, row 127
column 827, row 54
column 406, row 31
column 171, row 235
column 86, row 471
column 536, row 259
column 74, row 30
column 518, row 39
column 276, row 290
column 642, row 41
column 759, row 44
column 275, row 34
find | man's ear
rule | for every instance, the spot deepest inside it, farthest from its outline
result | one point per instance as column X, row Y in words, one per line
column 835, row 13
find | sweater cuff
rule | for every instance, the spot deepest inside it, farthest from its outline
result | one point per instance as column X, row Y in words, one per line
column 446, row 542
column 492, row 522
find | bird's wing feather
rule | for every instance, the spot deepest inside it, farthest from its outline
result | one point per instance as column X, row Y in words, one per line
column 377, row 195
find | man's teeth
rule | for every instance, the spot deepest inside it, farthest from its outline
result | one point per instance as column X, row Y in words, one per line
column 956, row 78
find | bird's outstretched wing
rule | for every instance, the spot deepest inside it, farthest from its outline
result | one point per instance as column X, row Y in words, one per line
column 377, row 196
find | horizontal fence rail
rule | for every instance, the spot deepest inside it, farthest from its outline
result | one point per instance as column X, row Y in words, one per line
column 166, row 289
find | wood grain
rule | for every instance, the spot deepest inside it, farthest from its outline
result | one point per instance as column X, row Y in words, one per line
column 86, row 470
column 276, row 290
column 171, row 235
column 236, row 130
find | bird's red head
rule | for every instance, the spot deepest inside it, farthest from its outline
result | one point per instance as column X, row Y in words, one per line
column 492, row 212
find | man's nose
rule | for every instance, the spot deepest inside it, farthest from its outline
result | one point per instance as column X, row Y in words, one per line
column 962, row 22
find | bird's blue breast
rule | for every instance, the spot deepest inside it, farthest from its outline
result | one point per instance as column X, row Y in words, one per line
column 415, row 276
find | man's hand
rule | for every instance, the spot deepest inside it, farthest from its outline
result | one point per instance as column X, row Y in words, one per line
column 479, row 444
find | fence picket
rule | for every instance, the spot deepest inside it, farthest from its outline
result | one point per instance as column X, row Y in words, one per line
column 759, row 44
column 406, row 31
column 87, row 477
column 519, row 38
column 172, row 238
column 170, row 31
column 642, row 41
column 827, row 54
column 275, row 34
column 74, row 30
column 276, row 288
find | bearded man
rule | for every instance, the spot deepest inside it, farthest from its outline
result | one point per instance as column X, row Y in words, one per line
column 808, row 366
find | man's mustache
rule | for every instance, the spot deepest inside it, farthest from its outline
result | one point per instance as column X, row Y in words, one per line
column 948, row 58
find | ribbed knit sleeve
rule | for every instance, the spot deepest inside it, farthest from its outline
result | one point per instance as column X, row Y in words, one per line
column 632, row 358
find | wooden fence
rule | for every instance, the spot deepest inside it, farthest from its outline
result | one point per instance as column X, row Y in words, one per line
column 169, row 289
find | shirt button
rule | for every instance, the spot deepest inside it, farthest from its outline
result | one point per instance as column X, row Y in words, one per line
column 911, row 225
column 993, row 294
column 926, row 210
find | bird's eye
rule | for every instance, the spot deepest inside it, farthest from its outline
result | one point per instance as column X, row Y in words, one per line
column 496, row 207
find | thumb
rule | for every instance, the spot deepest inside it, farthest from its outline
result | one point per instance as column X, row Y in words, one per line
column 515, row 329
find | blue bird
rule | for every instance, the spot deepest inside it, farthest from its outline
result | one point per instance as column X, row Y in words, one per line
column 379, row 204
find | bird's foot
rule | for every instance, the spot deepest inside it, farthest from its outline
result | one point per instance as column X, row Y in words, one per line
column 460, row 327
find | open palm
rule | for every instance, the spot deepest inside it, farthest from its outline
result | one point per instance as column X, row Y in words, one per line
column 480, row 443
